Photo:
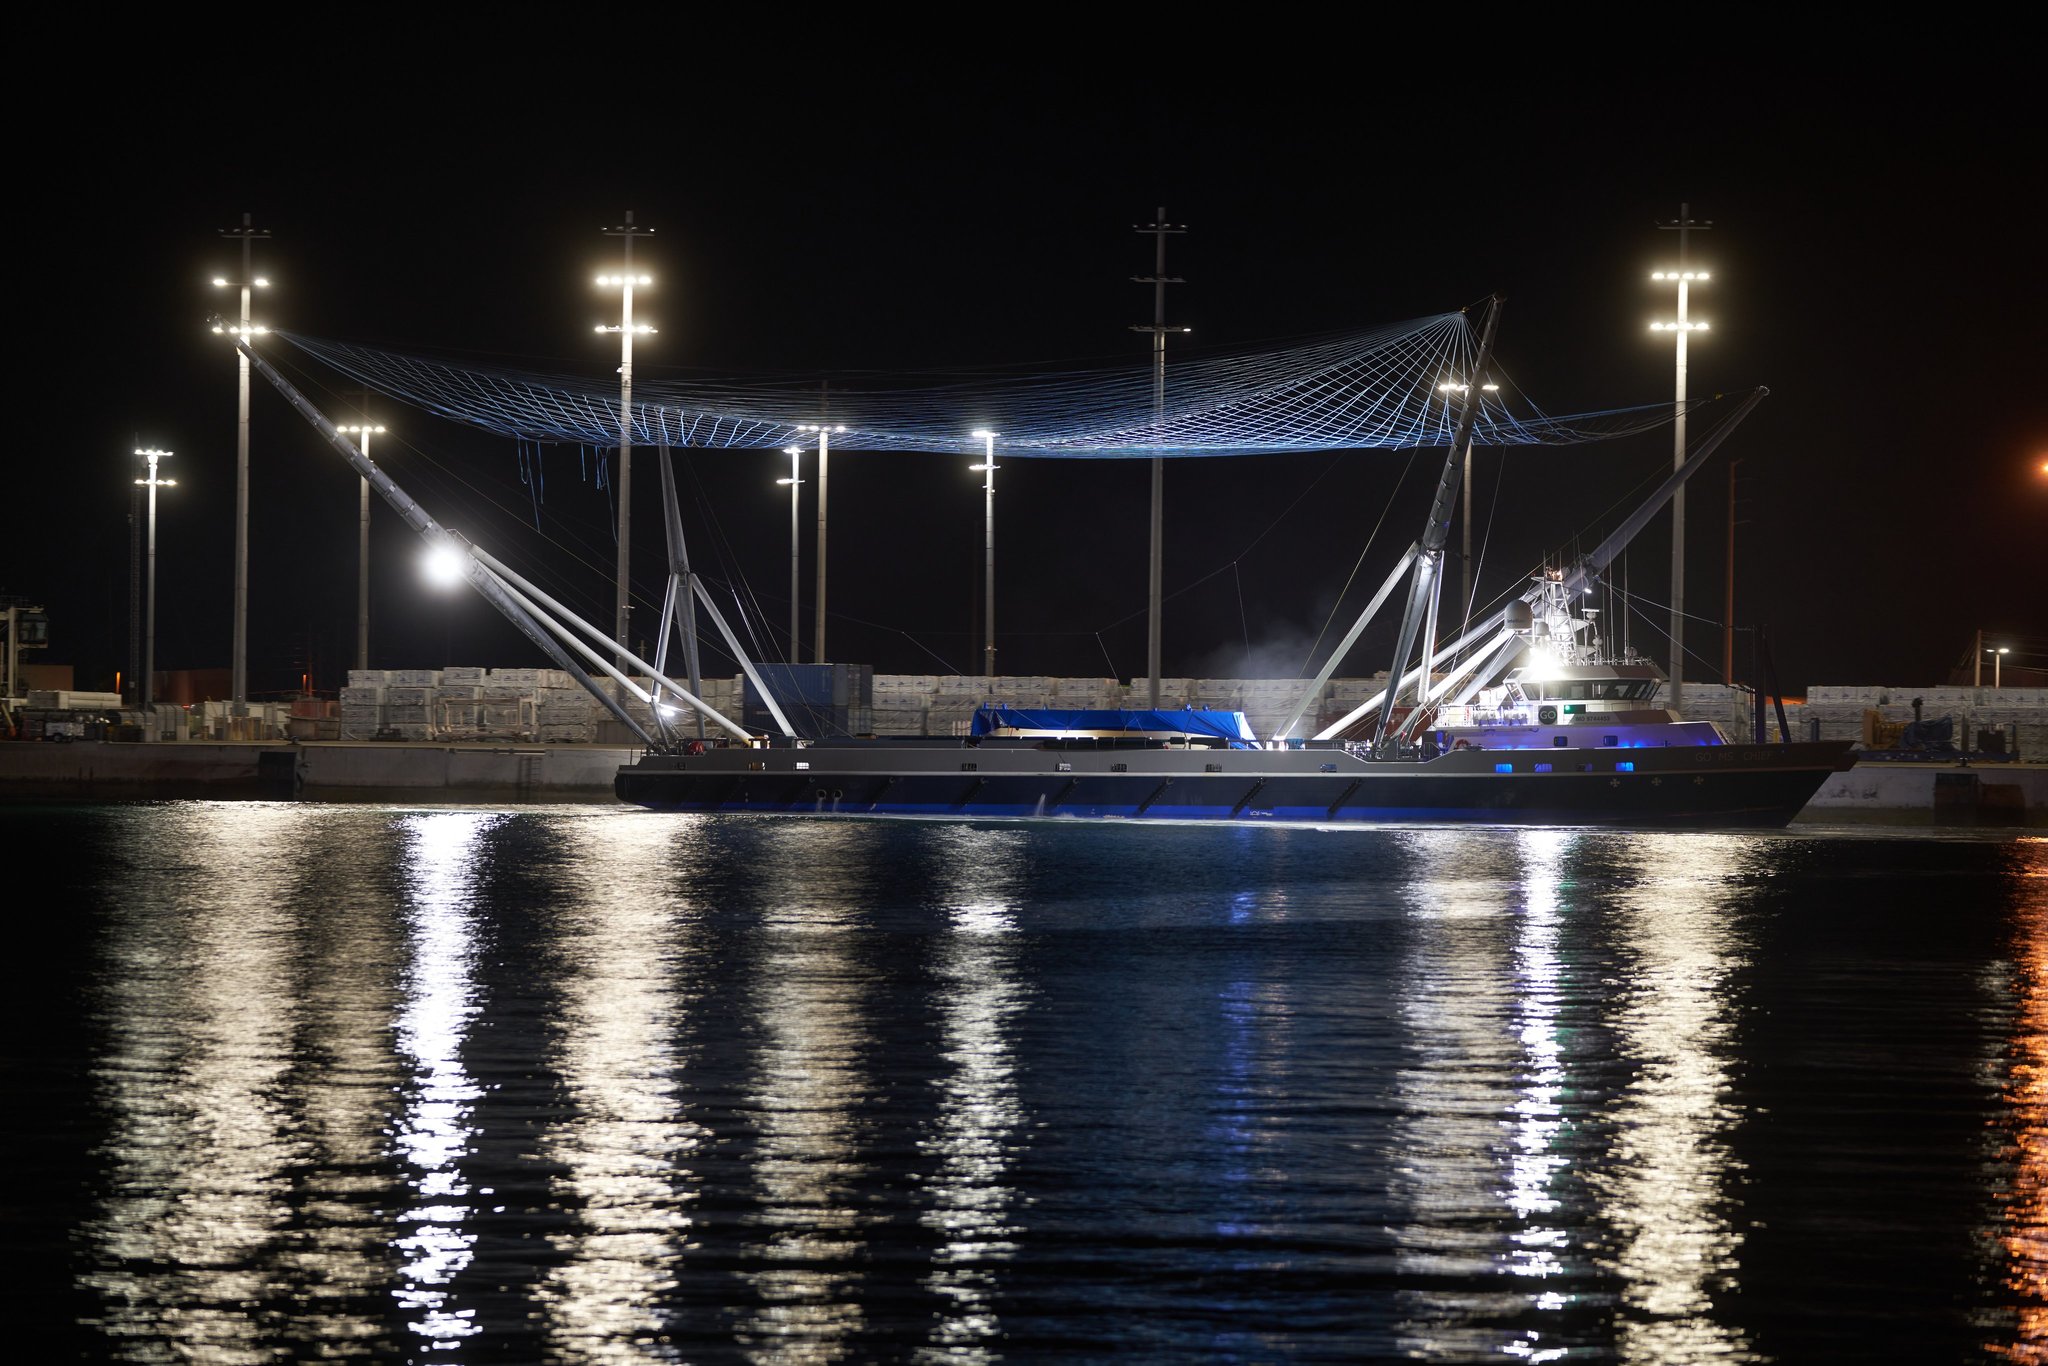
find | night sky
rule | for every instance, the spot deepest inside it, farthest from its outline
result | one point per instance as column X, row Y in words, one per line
column 1875, row 252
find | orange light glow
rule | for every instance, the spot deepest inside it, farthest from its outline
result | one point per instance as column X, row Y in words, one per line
column 2025, row 1215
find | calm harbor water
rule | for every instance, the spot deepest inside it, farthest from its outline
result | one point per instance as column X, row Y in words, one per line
column 303, row 1082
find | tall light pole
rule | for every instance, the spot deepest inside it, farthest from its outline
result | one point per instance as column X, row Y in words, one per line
column 1684, row 278
column 623, row 477
column 1160, row 230
column 1728, row 593
column 824, row 464
column 247, row 235
column 988, row 468
column 1998, row 664
column 363, row 434
column 152, row 483
column 1447, row 389
column 796, row 455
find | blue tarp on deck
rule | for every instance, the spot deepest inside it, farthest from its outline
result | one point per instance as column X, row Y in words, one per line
column 1224, row 725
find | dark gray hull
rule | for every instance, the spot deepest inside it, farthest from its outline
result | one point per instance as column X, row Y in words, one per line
column 1708, row 786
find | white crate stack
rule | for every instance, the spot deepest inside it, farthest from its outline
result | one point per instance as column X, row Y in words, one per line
column 1268, row 702
column 1087, row 694
column 903, row 702
column 362, row 704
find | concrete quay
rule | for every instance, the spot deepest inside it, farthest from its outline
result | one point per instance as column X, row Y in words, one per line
column 333, row 771
column 1946, row 794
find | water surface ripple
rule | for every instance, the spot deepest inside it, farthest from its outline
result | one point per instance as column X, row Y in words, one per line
column 588, row 1085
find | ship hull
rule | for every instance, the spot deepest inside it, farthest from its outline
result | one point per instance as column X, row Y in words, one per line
column 1700, row 787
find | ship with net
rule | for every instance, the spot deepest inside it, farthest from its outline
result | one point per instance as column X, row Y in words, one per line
column 1522, row 716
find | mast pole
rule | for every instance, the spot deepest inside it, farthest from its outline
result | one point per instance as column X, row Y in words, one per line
column 1423, row 588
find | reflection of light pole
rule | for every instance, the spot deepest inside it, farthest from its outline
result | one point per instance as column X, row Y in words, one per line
column 1447, row 389
column 988, row 468
column 795, row 454
column 623, row 481
column 363, row 554
column 824, row 457
column 239, row 679
column 1683, row 278
column 149, row 612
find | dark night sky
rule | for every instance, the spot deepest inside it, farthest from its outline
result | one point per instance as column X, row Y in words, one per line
column 1876, row 250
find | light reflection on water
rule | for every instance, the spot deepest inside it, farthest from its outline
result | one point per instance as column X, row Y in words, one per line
column 810, row 1009
column 606, row 1087
column 978, row 993
column 1665, row 1186
column 2021, row 1228
column 436, row 1129
column 201, row 1011
column 626, row 1155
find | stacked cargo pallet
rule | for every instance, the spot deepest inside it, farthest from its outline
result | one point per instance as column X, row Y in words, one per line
column 903, row 702
column 1023, row 690
column 954, row 703
column 362, row 704
column 1087, row 694
column 1342, row 697
column 1268, row 702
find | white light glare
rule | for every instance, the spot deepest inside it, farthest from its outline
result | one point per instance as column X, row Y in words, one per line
column 786, row 481
column 984, row 467
column 984, row 433
column 220, row 281
column 262, row 283
column 1675, row 275
column 444, row 565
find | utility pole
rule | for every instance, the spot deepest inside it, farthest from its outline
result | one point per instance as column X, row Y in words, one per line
column 363, row 431
column 152, row 483
column 796, row 455
column 622, row 478
column 988, row 469
column 824, row 464
column 1160, row 230
column 1683, row 277
column 1465, row 482
column 133, row 691
column 238, row 689
column 1728, row 596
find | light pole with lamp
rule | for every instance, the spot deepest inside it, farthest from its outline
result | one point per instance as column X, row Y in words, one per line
column 627, row 330
column 824, row 462
column 1447, row 389
column 1684, row 278
column 988, row 469
column 363, row 434
column 1997, row 664
column 152, row 483
column 239, row 678
column 795, row 454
